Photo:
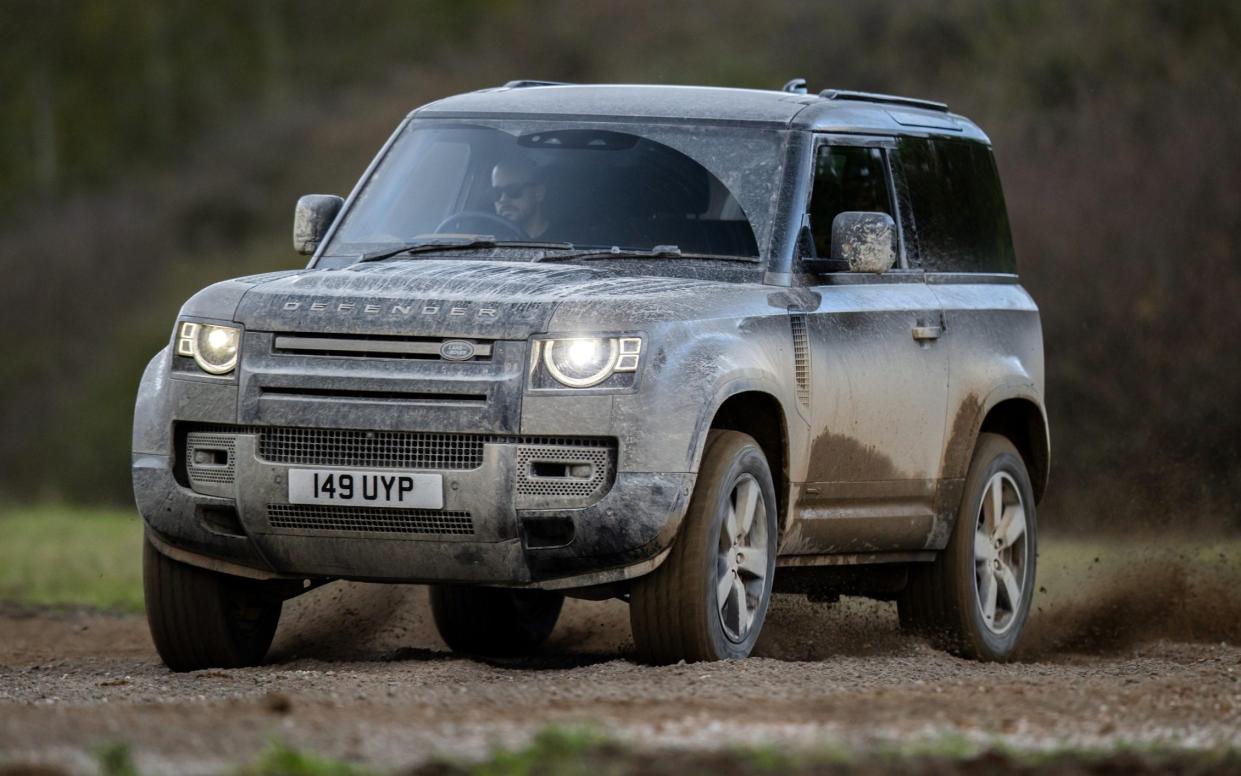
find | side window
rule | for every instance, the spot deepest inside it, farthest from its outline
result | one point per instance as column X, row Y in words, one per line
column 845, row 178
column 957, row 220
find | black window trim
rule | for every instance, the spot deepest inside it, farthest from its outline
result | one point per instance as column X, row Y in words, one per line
column 950, row 276
column 886, row 144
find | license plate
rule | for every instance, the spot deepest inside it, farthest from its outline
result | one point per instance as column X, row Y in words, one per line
column 351, row 487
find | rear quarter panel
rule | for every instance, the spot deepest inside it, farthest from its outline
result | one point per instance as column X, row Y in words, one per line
column 995, row 339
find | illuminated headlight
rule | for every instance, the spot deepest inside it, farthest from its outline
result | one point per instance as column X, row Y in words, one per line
column 214, row 348
column 582, row 362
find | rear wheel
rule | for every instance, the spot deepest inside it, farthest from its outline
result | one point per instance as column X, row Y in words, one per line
column 975, row 598
column 708, row 599
column 494, row 621
column 204, row 619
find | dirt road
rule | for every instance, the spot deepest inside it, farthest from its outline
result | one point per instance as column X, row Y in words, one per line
column 372, row 682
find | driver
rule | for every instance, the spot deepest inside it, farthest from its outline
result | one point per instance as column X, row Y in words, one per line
column 519, row 193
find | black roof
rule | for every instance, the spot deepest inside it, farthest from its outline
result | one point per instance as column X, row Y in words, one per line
column 830, row 111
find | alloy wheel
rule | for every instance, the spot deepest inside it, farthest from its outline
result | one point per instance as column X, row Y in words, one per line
column 1000, row 553
column 741, row 561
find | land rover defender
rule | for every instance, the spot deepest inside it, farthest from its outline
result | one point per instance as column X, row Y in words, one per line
column 682, row 346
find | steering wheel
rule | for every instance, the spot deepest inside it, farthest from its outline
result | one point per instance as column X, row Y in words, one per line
column 481, row 222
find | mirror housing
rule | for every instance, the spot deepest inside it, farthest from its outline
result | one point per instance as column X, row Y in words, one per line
column 311, row 220
column 863, row 241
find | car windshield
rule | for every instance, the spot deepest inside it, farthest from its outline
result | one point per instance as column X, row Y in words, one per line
column 704, row 189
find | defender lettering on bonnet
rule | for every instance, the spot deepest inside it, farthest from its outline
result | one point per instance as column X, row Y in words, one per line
column 402, row 308
column 562, row 341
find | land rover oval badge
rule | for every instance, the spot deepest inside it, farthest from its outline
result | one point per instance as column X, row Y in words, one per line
column 457, row 350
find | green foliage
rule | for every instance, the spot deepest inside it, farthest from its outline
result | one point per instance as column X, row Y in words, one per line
column 115, row 760
column 56, row 556
column 553, row 752
column 279, row 759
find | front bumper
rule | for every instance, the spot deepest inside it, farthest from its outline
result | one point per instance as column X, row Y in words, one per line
column 495, row 527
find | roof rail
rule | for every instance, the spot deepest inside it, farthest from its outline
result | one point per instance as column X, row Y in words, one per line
column 891, row 99
column 526, row 82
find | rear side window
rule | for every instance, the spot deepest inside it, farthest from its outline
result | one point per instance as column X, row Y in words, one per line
column 955, row 220
column 845, row 178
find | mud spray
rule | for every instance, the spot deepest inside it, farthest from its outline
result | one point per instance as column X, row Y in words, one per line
column 1096, row 596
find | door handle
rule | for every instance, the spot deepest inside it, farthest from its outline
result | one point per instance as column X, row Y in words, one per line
column 925, row 333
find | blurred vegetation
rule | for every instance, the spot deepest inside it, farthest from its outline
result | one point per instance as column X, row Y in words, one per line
column 148, row 149
column 57, row 556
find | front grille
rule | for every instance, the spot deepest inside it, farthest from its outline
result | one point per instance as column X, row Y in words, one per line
column 359, row 346
column 362, row 520
column 380, row 449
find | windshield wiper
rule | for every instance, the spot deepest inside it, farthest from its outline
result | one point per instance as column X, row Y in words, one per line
column 658, row 252
column 431, row 245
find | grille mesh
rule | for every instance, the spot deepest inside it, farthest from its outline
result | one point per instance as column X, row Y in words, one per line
column 363, row 520
column 387, row 449
column 205, row 473
column 380, row 449
column 530, row 484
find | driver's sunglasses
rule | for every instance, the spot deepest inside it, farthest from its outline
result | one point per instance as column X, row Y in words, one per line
column 512, row 191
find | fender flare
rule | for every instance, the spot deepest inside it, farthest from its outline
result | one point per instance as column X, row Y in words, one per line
column 959, row 448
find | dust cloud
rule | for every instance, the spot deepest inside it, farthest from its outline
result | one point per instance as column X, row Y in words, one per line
column 1094, row 597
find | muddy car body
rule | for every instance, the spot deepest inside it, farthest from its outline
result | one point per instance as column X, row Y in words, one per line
column 815, row 298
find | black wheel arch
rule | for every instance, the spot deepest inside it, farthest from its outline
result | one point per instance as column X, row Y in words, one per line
column 760, row 414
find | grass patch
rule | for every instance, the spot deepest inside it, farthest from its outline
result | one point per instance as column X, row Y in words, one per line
column 65, row 556
column 584, row 751
column 115, row 760
column 279, row 759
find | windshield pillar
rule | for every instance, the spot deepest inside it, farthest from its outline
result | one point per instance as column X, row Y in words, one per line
column 794, row 194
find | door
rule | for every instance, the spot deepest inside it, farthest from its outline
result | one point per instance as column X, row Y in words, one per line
column 879, row 381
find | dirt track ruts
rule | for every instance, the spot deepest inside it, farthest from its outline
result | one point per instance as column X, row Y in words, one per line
column 358, row 673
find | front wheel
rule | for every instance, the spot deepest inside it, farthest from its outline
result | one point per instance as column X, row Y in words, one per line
column 204, row 619
column 708, row 599
column 974, row 599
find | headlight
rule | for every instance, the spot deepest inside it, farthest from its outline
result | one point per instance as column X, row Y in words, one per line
column 582, row 362
column 214, row 348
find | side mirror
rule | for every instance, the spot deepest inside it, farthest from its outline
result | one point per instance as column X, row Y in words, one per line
column 314, row 214
column 864, row 242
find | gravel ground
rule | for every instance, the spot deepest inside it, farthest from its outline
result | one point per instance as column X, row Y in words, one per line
column 357, row 672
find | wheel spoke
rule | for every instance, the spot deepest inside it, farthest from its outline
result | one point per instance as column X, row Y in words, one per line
column 983, row 551
column 729, row 536
column 1013, row 526
column 987, row 594
column 743, row 608
column 1012, row 590
column 723, row 589
column 753, row 562
column 747, row 503
column 993, row 504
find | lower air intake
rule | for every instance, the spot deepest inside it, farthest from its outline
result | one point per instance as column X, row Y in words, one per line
column 362, row 520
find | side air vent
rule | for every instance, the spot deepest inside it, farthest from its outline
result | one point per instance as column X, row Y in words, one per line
column 566, row 472
column 801, row 357
column 211, row 462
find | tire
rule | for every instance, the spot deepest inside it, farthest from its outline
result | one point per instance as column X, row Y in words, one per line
column 494, row 622
column 676, row 612
column 204, row 619
column 974, row 601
